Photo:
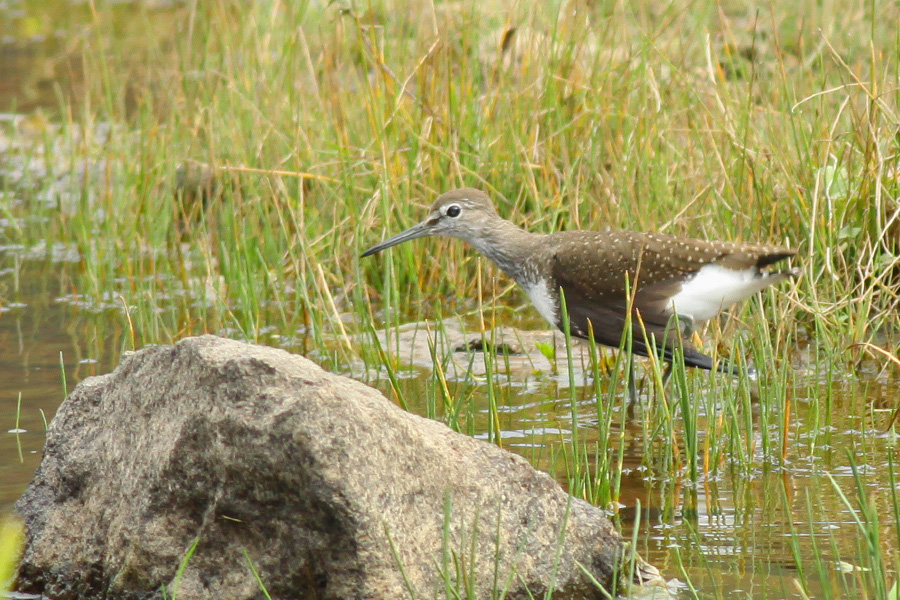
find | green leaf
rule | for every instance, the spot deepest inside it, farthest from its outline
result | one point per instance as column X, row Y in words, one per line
column 548, row 350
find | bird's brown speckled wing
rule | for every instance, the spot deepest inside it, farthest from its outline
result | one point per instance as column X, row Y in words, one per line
column 589, row 271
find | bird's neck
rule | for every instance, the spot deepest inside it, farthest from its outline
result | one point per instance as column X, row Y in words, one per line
column 511, row 248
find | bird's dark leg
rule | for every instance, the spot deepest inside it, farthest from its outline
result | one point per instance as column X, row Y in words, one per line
column 685, row 326
column 632, row 388
column 666, row 374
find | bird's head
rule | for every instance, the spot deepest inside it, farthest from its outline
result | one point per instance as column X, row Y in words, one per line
column 464, row 213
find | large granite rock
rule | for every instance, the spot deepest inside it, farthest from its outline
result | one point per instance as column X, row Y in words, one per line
column 329, row 490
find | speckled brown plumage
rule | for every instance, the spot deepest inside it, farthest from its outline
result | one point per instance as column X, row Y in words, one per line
column 592, row 268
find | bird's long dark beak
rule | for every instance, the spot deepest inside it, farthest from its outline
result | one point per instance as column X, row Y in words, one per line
column 416, row 231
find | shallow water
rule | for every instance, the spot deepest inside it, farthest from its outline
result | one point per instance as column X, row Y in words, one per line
column 748, row 529
column 752, row 528
column 41, row 343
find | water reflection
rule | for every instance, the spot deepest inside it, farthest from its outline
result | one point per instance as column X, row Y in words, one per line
column 773, row 526
column 44, row 348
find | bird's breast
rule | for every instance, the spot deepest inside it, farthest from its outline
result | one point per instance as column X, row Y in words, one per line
column 544, row 299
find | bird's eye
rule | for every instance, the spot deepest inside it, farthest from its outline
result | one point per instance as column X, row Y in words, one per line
column 453, row 211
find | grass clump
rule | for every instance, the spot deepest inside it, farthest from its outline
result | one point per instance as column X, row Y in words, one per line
column 324, row 126
column 222, row 173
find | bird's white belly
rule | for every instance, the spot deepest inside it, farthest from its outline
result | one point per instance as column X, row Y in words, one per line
column 545, row 302
column 713, row 289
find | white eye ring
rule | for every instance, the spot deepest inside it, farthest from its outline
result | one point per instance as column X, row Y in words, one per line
column 453, row 211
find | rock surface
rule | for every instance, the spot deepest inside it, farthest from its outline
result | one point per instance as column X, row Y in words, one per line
column 253, row 455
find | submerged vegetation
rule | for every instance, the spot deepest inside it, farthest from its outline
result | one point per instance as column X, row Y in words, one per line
column 218, row 167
